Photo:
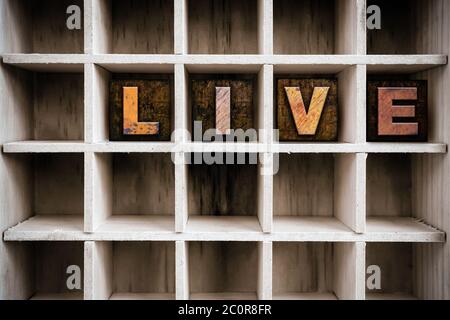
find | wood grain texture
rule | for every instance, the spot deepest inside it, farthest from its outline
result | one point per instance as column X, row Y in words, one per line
column 396, row 263
column 221, row 267
column 143, row 184
column 306, row 122
column 304, row 186
column 58, row 106
column 222, row 190
column 430, row 180
column 388, row 110
column 327, row 127
column 50, row 33
column 302, row 267
column 375, row 108
column 223, row 106
column 399, row 31
column 155, row 105
column 143, row 267
column 242, row 101
column 303, row 27
column 142, row 26
column 131, row 124
column 223, row 27
column 389, row 185
column 58, row 184
column 51, row 260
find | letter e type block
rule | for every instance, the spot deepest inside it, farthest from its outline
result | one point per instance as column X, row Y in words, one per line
column 397, row 111
column 307, row 109
column 223, row 104
column 140, row 110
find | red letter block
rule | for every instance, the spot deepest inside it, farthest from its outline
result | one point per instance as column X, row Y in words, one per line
column 397, row 111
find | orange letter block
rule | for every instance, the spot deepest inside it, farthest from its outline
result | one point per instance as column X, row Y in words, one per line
column 131, row 125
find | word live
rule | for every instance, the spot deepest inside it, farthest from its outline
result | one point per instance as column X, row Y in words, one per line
column 306, row 109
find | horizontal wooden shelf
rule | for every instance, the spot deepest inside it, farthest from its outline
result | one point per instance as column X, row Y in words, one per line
column 382, row 229
column 46, row 228
column 207, row 228
column 389, row 296
column 236, row 226
column 359, row 148
column 223, row 296
column 288, row 228
column 126, row 226
column 166, row 147
column 305, row 296
column 225, row 63
column 58, row 296
column 142, row 296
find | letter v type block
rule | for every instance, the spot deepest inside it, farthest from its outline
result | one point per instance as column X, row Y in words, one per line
column 307, row 109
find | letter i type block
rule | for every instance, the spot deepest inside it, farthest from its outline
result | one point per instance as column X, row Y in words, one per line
column 140, row 110
column 222, row 105
column 397, row 111
column 307, row 109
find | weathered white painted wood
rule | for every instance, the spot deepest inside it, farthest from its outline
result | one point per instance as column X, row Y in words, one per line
column 349, row 109
column 361, row 103
column 348, row 187
column 427, row 174
column 241, row 225
column 315, row 296
column 390, row 296
column 265, row 264
column 57, row 296
column 97, row 104
column 349, row 269
column 361, row 192
column 160, row 228
column 224, row 296
column 98, row 190
column 350, row 31
column 182, row 285
column 181, row 27
column 98, row 270
column 181, row 104
column 265, row 27
column 282, row 63
column 142, row 296
column 181, row 192
column 166, row 147
column 265, row 171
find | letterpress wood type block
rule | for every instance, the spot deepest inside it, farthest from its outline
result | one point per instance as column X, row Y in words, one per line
column 397, row 111
column 141, row 110
column 307, row 109
column 224, row 102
